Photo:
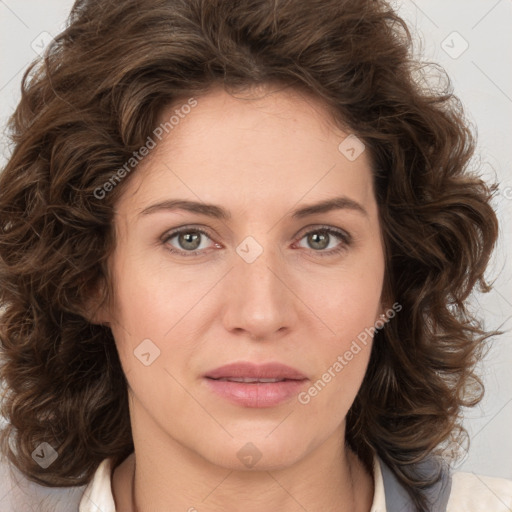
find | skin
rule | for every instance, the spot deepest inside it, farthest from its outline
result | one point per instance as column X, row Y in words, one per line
column 260, row 158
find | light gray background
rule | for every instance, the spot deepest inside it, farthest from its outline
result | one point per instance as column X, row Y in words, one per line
column 482, row 78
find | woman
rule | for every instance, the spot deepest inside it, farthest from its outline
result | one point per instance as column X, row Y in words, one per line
column 237, row 242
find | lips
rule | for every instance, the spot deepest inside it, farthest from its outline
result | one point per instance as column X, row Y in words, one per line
column 253, row 373
column 257, row 386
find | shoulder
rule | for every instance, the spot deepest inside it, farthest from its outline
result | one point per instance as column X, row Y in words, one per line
column 476, row 493
column 18, row 493
column 454, row 491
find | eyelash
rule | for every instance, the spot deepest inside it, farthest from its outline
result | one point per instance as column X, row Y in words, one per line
column 345, row 238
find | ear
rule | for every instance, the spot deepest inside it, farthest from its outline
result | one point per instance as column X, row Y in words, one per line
column 388, row 306
column 384, row 309
column 96, row 307
column 389, row 312
column 381, row 316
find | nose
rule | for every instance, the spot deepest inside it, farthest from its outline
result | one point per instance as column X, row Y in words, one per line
column 259, row 301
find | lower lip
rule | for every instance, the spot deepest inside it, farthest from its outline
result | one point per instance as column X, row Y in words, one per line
column 261, row 394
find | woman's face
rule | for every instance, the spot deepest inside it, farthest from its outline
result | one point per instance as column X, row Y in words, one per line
column 251, row 279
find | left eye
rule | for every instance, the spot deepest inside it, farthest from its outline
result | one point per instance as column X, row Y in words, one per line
column 320, row 239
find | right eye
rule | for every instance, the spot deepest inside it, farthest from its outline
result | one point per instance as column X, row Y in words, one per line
column 188, row 239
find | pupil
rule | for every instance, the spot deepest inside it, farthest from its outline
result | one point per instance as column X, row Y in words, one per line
column 189, row 241
column 318, row 240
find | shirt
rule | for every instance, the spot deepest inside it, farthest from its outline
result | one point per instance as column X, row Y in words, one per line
column 462, row 492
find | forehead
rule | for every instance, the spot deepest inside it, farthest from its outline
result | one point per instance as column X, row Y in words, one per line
column 262, row 108
column 264, row 146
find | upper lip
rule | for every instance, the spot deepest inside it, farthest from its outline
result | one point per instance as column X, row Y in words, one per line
column 256, row 371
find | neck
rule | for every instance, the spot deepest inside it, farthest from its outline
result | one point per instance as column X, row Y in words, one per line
column 142, row 487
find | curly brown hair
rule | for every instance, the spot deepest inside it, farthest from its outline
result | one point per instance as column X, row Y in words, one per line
column 93, row 100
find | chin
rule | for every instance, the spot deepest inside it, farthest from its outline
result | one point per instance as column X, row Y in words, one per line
column 257, row 453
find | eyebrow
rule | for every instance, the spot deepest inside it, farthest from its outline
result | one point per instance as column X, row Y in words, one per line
column 218, row 212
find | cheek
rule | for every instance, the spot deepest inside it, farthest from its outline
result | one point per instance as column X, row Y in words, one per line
column 150, row 298
column 350, row 302
column 152, row 303
column 349, row 305
column 349, row 308
column 150, row 333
